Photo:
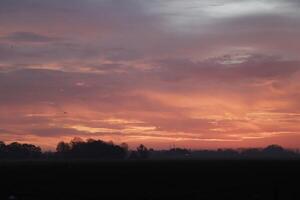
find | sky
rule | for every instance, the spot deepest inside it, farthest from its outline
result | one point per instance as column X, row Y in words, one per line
column 194, row 74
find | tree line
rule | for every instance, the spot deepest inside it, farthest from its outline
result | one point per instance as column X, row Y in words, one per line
column 98, row 149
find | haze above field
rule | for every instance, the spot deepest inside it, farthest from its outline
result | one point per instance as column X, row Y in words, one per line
column 195, row 74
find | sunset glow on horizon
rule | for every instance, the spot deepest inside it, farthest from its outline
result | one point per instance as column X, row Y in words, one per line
column 194, row 74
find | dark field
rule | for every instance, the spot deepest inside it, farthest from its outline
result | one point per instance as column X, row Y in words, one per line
column 151, row 180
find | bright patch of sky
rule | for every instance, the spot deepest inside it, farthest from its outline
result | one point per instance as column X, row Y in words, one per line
column 181, row 14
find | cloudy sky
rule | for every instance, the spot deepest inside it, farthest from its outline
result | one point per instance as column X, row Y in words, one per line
column 196, row 74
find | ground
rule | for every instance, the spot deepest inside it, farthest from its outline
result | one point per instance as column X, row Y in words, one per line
column 240, row 180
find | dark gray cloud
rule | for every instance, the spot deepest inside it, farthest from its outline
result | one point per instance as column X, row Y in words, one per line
column 136, row 30
column 251, row 67
column 28, row 37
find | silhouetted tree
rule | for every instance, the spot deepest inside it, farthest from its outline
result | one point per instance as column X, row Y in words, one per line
column 133, row 155
column 32, row 151
column 252, row 153
column 98, row 149
column 179, row 151
column 227, row 154
column 124, row 146
column 49, row 155
column 75, row 141
column 63, row 149
column 274, row 148
column 2, row 149
column 22, row 151
column 276, row 151
column 2, row 145
column 142, row 152
column 91, row 149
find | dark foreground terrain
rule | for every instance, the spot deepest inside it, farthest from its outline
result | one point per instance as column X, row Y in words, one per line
column 150, row 180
